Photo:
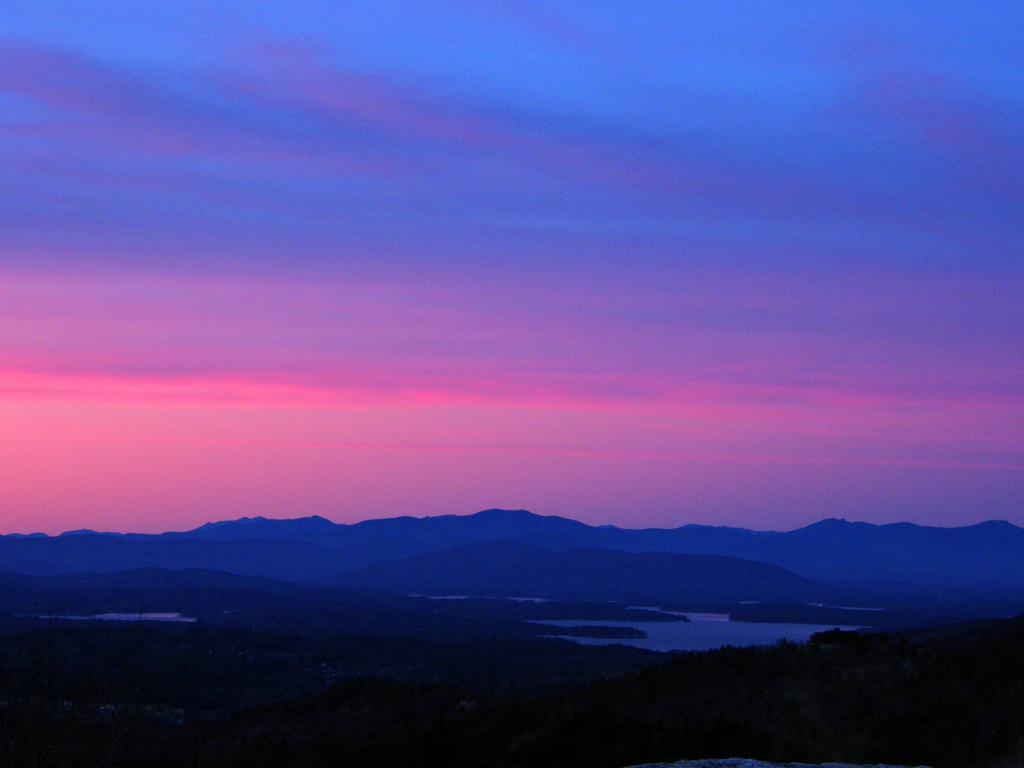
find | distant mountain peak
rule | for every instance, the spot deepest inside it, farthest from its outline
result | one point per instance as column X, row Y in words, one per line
column 261, row 520
column 300, row 528
column 524, row 520
column 499, row 512
column 837, row 524
column 996, row 525
column 235, row 521
column 87, row 532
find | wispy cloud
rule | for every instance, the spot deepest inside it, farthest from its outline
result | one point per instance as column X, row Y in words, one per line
column 777, row 244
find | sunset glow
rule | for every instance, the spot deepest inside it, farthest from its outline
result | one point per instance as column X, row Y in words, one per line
column 370, row 266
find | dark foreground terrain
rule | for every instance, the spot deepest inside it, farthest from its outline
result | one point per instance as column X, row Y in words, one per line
column 422, row 642
column 191, row 695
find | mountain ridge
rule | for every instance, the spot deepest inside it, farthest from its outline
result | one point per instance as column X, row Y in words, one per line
column 512, row 569
column 503, row 513
column 983, row 557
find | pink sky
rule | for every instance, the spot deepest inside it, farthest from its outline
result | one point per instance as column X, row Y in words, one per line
column 725, row 263
column 144, row 402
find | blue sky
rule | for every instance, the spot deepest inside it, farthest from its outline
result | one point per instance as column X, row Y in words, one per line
column 790, row 230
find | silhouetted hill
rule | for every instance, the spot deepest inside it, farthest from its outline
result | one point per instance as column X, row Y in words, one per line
column 982, row 555
column 302, row 529
column 900, row 559
column 406, row 535
column 512, row 569
column 102, row 553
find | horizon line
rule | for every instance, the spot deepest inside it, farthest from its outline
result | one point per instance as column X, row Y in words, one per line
column 247, row 518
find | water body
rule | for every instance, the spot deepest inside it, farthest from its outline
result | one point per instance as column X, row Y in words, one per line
column 846, row 607
column 690, row 615
column 697, row 634
column 481, row 597
column 162, row 617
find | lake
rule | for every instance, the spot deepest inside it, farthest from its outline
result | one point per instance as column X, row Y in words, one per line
column 703, row 632
column 176, row 618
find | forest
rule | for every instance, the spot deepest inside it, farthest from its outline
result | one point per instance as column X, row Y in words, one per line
column 138, row 695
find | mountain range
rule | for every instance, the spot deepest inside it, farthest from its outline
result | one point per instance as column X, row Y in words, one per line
column 517, row 552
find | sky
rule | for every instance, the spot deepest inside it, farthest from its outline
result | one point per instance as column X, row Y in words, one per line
column 737, row 263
